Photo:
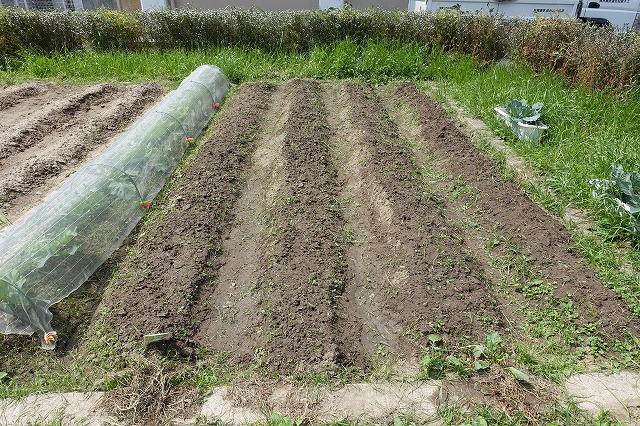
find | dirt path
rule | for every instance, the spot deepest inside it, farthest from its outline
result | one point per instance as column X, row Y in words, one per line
column 47, row 131
column 232, row 300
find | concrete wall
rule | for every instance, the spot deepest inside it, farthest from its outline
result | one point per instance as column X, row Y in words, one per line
column 287, row 4
column 95, row 4
column 130, row 5
column 246, row 4
column 382, row 4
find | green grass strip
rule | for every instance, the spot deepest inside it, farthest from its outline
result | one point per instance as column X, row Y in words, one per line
column 378, row 62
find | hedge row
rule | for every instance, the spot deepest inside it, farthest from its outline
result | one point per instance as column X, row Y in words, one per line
column 593, row 57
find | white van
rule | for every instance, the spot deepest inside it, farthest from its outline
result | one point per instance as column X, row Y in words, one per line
column 522, row 8
column 623, row 14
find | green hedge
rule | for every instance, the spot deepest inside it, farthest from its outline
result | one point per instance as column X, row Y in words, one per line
column 589, row 56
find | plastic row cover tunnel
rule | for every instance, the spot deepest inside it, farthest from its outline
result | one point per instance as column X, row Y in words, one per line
column 63, row 241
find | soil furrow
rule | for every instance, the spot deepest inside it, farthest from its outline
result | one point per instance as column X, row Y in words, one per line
column 15, row 95
column 61, row 117
column 228, row 304
column 432, row 284
column 372, row 256
column 42, row 167
column 456, row 198
column 537, row 236
column 303, row 325
column 175, row 253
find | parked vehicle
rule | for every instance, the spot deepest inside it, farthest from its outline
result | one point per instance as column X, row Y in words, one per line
column 623, row 14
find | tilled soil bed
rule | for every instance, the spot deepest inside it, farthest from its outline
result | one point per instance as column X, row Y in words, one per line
column 321, row 225
column 304, row 233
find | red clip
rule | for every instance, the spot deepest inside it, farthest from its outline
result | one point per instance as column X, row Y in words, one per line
column 146, row 204
column 216, row 105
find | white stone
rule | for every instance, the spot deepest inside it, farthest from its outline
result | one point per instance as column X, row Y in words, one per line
column 367, row 401
column 619, row 394
column 72, row 408
column 362, row 401
column 219, row 407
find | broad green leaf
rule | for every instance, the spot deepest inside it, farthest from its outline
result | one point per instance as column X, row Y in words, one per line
column 519, row 375
column 2, row 375
column 493, row 341
column 397, row 421
column 531, row 118
column 521, row 111
column 479, row 350
column 425, row 361
column 481, row 365
column 453, row 361
column 434, row 338
column 479, row 421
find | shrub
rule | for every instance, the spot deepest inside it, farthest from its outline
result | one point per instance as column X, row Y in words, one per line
column 45, row 32
column 9, row 42
column 108, row 29
column 592, row 57
column 596, row 57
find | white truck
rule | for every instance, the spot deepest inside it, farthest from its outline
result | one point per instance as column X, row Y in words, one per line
column 623, row 14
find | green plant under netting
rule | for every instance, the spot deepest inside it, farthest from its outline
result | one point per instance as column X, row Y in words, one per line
column 63, row 241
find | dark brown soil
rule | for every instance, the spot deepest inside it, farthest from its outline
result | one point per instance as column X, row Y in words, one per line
column 47, row 131
column 422, row 279
column 303, row 322
column 176, row 257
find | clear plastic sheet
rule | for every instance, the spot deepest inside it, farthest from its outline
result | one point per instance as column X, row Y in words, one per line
column 60, row 243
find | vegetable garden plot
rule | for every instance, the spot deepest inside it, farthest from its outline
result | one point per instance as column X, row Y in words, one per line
column 48, row 132
column 305, row 236
column 63, row 241
column 338, row 231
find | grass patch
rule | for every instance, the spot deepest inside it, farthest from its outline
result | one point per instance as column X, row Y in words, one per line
column 588, row 131
column 372, row 61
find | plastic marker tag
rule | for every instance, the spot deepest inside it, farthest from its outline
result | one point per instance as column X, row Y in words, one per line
column 50, row 340
column 216, row 105
column 188, row 140
column 152, row 338
column 146, row 204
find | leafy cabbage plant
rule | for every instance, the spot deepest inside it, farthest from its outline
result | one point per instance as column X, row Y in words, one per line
column 622, row 191
column 521, row 111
